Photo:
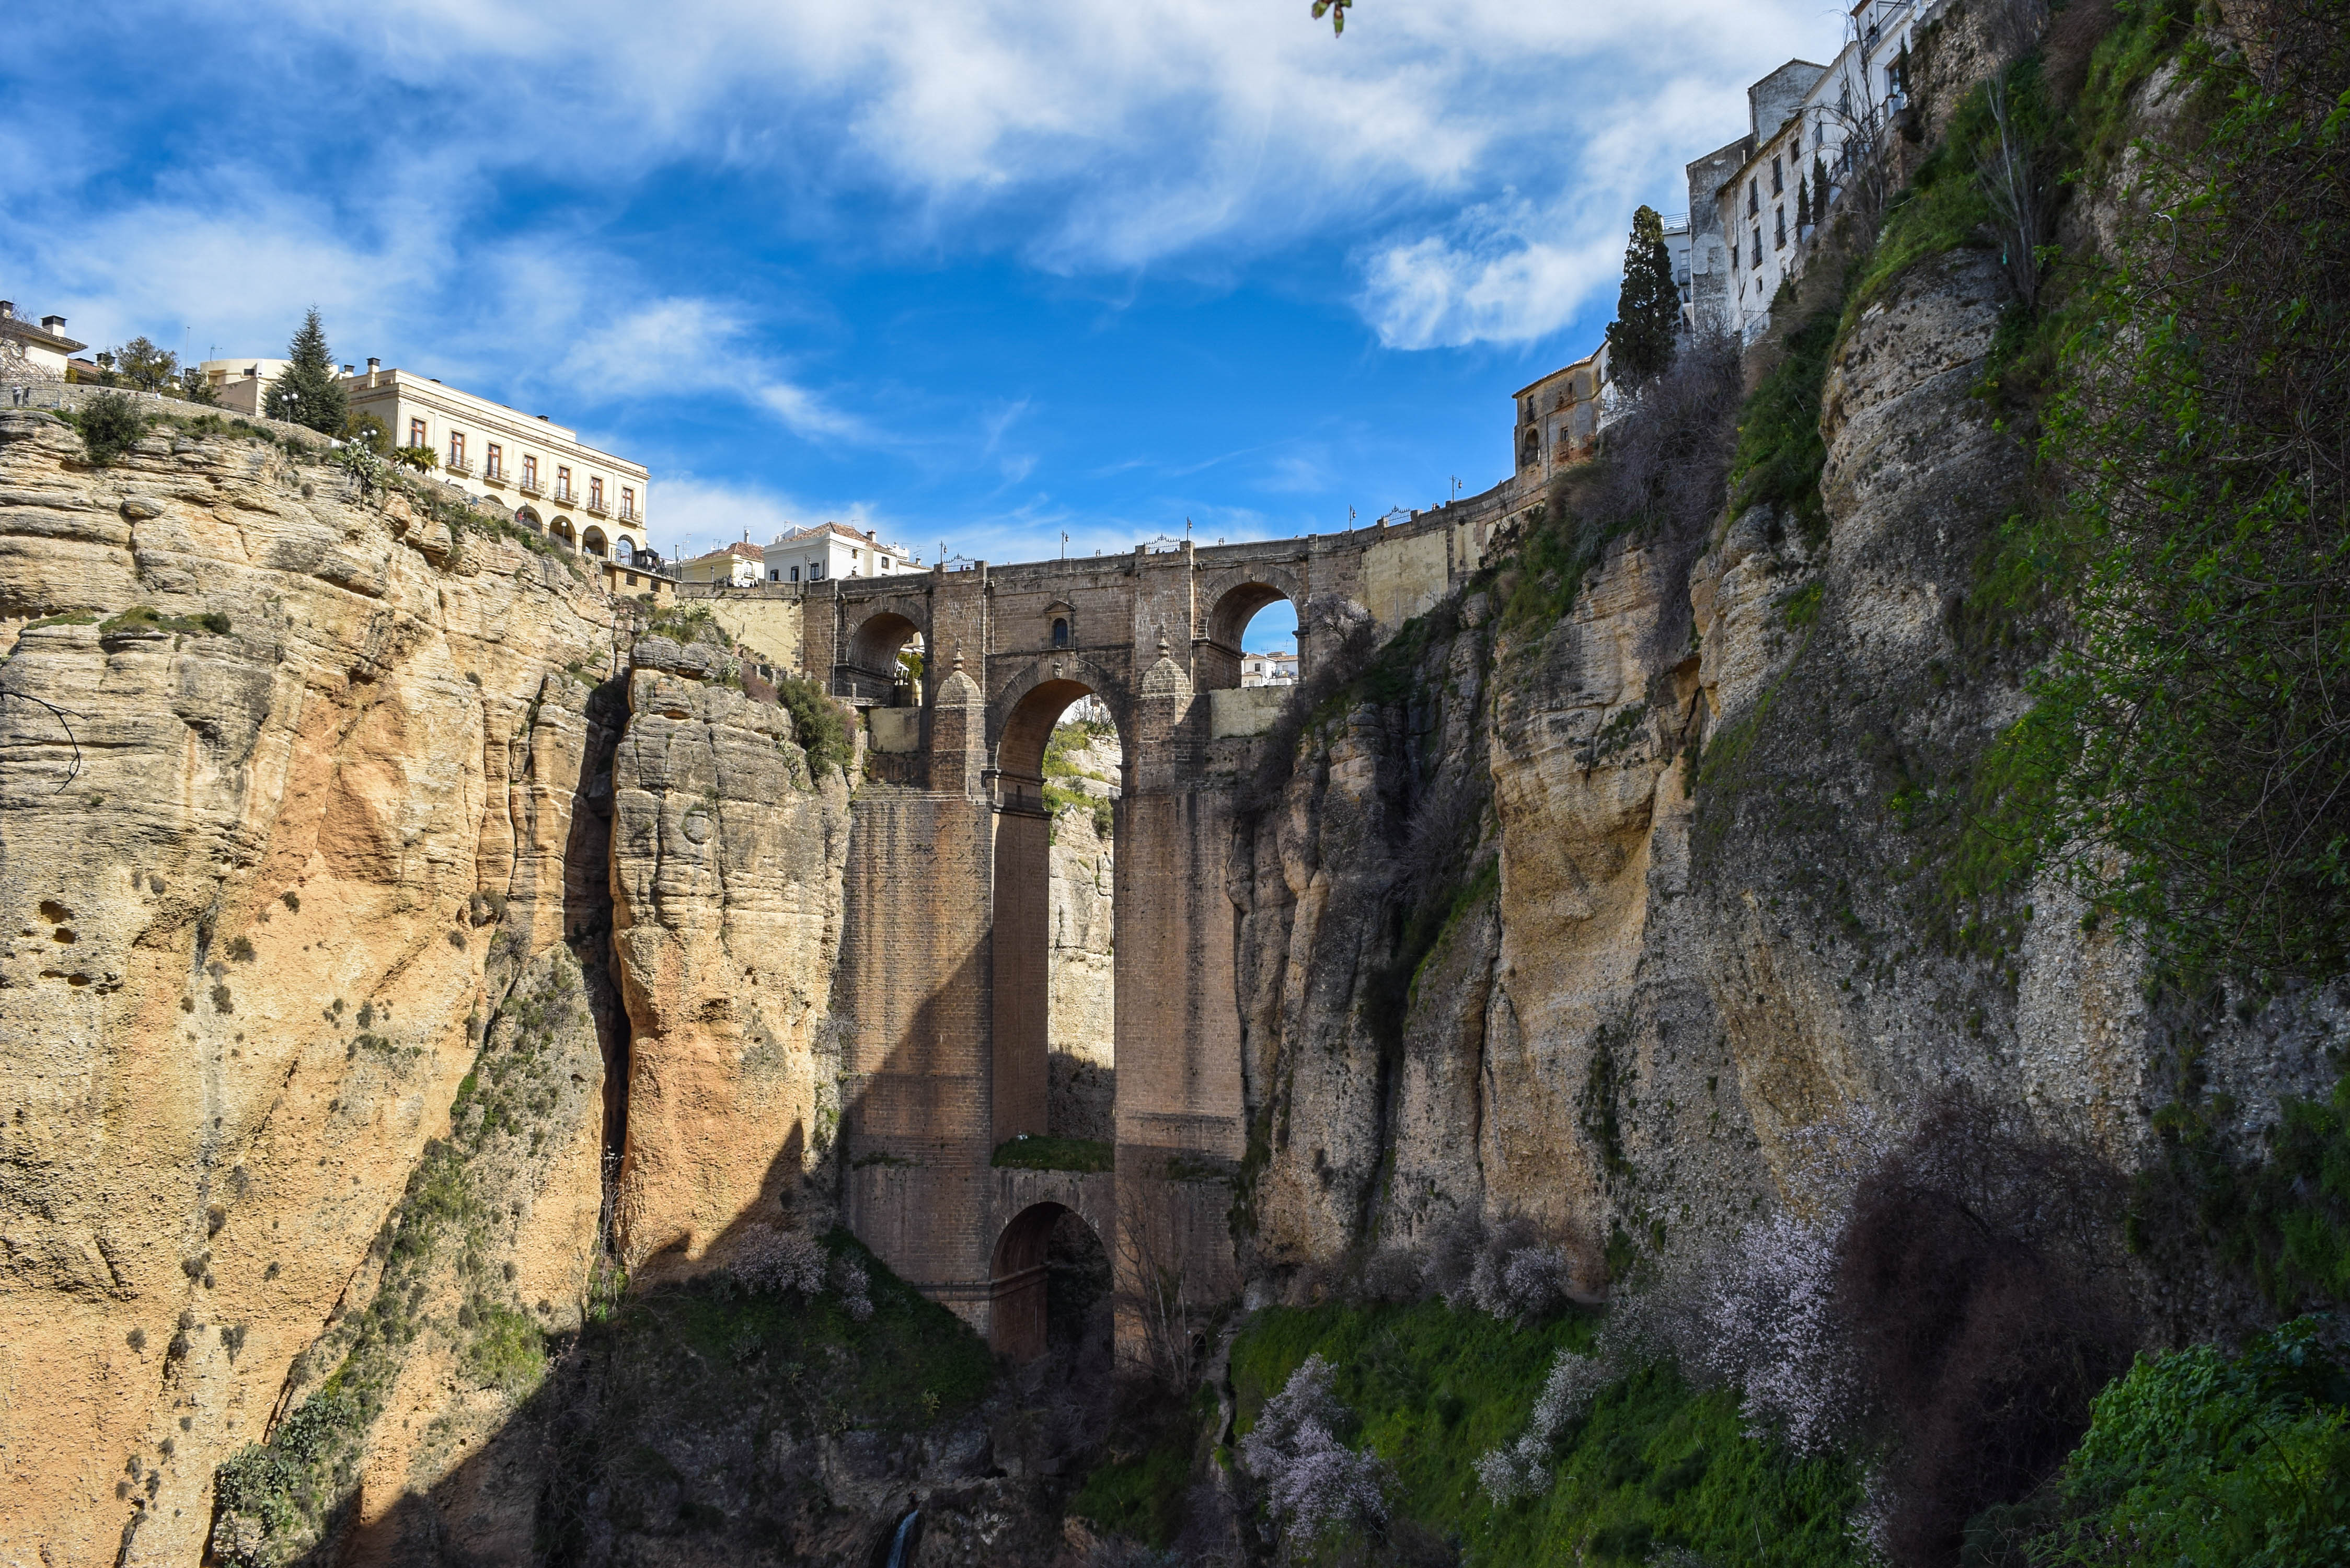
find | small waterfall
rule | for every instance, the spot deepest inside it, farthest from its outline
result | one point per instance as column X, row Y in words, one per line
column 902, row 1545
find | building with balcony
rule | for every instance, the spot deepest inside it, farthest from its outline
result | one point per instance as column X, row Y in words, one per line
column 590, row 499
column 1278, row 668
column 832, row 550
column 551, row 481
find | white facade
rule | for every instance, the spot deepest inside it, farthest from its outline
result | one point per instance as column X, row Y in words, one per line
column 738, row 565
column 1276, row 668
column 1840, row 107
column 832, row 550
column 240, row 386
column 588, row 498
column 43, row 350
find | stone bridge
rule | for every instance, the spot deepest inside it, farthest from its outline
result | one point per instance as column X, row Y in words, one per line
column 946, row 947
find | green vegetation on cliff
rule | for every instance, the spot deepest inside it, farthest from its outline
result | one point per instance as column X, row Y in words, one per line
column 1653, row 1466
column 440, row 1286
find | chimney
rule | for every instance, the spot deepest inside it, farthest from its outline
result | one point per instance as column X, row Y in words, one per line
column 375, row 369
column 347, row 370
column 7, row 310
column 55, row 324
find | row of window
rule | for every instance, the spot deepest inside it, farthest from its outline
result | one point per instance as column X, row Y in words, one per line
column 493, row 466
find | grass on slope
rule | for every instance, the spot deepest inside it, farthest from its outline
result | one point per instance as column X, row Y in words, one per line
column 1655, row 1464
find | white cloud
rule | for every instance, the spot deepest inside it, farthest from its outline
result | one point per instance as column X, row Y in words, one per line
column 1474, row 160
column 1087, row 136
column 690, row 345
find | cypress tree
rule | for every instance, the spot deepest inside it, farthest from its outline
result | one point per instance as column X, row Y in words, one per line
column 1819, row 187
column 310, row 393
column 1647, row 330
column 1802, row 203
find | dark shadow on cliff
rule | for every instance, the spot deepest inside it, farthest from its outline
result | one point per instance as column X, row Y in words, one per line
column 715, row 1420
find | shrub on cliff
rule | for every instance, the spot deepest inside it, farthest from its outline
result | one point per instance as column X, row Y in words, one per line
column 1509, row 1271
column 111, row 424
column 1944, row 1301
column 817, row 723
column 1972, row 1284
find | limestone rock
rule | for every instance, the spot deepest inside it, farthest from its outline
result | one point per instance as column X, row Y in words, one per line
column 248, row 878
column 727, row 859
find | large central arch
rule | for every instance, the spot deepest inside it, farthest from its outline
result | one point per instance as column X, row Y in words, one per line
column 1030, row 705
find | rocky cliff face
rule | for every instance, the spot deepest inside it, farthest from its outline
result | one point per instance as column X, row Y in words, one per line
column 309, row 1002
column 1703, row 912
column 263, row 869
column 726, row 876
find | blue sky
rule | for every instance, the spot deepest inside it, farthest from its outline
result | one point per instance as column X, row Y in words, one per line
column 982, row 274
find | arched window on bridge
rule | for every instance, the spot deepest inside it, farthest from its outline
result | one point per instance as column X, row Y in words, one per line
column 1252, row 625
column 1060, row 632
column 878, row 668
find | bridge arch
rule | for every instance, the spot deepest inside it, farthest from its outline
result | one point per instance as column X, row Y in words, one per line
column 1044, row 1253
column 1020, row 718
column 1235, row 603
column 874, row 644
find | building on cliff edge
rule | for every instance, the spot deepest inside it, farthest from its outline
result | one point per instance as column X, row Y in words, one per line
column 1753, row 205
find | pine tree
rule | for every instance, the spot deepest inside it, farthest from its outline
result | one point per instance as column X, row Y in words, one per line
column 310, row 393
column 1647, row 325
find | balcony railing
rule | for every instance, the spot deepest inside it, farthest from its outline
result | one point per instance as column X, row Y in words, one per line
column 530, row 488
column 458, row 465
column 564, row 495
column 629, row 513
column 494, row 475
column 598, row 509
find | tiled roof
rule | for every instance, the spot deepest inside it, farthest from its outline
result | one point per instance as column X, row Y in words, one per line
column 17, row 327
column 739, row 550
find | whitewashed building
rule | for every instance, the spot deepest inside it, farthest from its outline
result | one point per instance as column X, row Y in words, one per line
column 832, row 550
column 1804, row 121
column 1278, row 668
column 38, row 351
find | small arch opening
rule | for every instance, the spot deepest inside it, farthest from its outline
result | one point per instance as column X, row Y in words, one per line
column 593, row 541
column 1049, row 1289
column 885, row 660
column 1252, row 639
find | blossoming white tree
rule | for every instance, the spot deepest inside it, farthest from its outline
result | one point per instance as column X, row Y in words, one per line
column 1315, row 1485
